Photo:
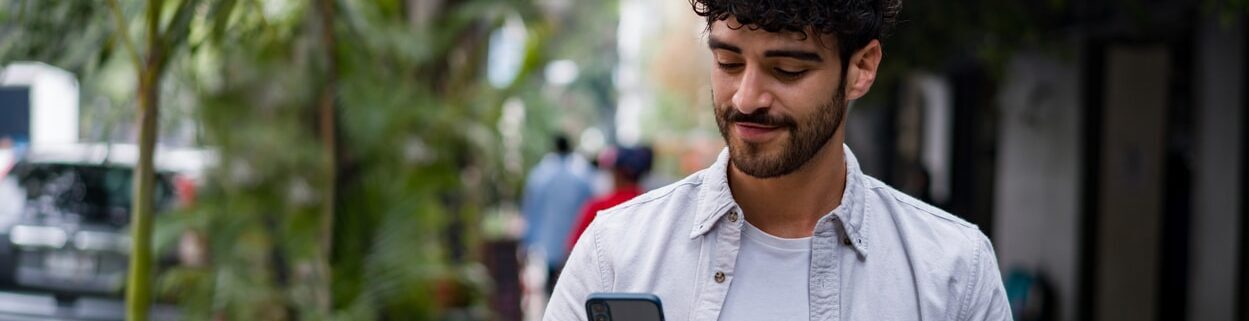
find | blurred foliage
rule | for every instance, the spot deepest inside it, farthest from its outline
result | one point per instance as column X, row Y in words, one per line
column 1228, row 11
column 934, row 35
column 419, row 159
column 43, row 33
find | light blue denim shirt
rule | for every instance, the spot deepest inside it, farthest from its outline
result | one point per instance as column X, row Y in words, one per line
column 880, row 255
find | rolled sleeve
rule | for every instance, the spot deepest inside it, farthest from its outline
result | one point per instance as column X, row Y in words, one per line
column 987, row 298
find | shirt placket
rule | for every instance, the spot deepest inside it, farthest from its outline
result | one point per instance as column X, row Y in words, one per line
column 825, row 271
column 716, row 287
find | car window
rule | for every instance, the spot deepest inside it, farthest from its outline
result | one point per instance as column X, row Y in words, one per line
column 90, row 192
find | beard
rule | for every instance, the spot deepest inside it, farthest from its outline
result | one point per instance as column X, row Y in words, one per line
column 806, row 137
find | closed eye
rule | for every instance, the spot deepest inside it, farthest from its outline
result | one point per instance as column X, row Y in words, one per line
column 729, row 66
column 789, row 75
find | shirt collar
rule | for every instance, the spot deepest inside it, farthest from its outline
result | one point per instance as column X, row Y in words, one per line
column 715, row 199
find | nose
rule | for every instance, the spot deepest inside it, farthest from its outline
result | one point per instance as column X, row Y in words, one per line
column 752, row 93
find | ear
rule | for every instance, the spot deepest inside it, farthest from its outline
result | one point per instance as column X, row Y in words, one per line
column 863, row 66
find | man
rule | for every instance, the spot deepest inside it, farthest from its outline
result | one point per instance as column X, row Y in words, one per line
column 784, row 225
column 555, row 190
column 627, row 165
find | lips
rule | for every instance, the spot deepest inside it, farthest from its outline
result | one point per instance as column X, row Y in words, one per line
column 755, row 132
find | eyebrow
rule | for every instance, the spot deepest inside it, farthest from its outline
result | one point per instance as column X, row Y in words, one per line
column 796, row 54
column 717, row 44
column 714, row 44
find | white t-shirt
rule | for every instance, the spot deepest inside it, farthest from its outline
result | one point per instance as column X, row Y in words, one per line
column 770, row 279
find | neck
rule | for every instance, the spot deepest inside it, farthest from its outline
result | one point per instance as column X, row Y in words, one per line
column 790, row 206
column 620, row 181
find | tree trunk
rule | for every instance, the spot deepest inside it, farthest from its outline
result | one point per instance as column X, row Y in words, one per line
column 138, row 282
column 329, row 152
column 139, row 279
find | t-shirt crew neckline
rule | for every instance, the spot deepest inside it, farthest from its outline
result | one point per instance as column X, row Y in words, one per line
column 785, row 244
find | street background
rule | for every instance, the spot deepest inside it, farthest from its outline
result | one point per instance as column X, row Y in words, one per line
column 378, row 160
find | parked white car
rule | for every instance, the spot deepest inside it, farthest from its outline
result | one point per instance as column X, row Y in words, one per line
column 66, row 213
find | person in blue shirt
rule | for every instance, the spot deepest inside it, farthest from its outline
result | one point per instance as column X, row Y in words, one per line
column 555, row 191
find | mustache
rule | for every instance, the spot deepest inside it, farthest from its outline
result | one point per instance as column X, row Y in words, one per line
column 760, row 116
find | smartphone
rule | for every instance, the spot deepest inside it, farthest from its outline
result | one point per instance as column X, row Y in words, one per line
column 624, row 307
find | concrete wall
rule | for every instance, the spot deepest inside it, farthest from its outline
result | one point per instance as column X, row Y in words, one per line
column 1131, row 182
column 1219, row 79
column 1038, row 183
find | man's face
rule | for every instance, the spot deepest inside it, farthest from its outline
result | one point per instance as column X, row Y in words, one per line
column 778, row 97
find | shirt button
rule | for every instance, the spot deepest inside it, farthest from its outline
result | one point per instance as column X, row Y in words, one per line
column 719, row 277
column 733, row 216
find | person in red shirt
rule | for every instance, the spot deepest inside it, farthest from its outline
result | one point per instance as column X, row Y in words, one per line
column 628, row 166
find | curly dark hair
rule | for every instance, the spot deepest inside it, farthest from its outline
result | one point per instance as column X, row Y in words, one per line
column 854, row 22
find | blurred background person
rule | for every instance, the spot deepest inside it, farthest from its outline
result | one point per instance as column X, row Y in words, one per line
column 6, row 155
column 555, row 191
column 628, row 166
